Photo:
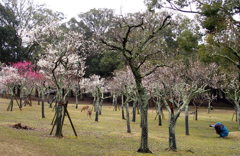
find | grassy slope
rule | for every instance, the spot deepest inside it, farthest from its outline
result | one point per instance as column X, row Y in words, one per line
column 108, row 137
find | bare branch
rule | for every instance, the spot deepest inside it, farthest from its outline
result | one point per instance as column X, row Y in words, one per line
column 228, row 58
column 129, row 30
column 145, row 58
column 113, row 47
column 154, row 69
column 174, row 7
column 154, row 33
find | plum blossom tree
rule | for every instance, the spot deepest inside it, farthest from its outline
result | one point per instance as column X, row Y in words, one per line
column 138, row 38
column 29, row 76
column 62, row 62
column 176, row 91
column 10, row 78
column 232, row 88
column 41, row 83
column 127, row 89
column 95, row 86
column 19, row 76
column 117, row 86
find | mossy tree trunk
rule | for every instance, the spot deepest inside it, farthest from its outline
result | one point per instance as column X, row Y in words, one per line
column 114, row 100
column 97, row 103
column 209, row 107
column 173, row 116
column 97, row 109
column 238, row 117
column 237, row 109
column 172, row 137
column 10, row 106
column 143, row 102
column 59, row 120
column 159, row 111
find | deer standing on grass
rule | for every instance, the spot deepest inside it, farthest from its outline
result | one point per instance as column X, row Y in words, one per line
column 84, row 108
column 89, row 113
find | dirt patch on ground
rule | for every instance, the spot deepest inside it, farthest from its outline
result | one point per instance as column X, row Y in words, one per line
column 20, row 126
column 234, row 135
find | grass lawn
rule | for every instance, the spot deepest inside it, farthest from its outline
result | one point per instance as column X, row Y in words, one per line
column 108, row 137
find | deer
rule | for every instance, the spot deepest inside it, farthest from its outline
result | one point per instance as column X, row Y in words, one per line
column 84, row 108
column 89, row 113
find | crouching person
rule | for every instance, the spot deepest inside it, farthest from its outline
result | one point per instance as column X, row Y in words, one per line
column 221, row 130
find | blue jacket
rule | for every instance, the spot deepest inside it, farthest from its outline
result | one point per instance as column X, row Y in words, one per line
column 221, row 129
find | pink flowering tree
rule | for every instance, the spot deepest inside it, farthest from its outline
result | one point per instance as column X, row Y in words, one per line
column 20, row 76
column 28, row 79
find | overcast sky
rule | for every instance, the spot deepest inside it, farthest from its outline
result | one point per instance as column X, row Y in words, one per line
column 72, row 8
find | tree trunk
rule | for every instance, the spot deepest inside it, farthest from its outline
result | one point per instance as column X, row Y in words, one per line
column 30, row 99
column 236, row 112
column 96, row 116
column 36, row 92
column 209, row 107
column 143, row 103
column 20, row 97
column 76, row 101
column 134, row 112
column 10, row 106
column 159, row 120
column 172, row 137
column 48, row 96
column 196, row 112
column 97, row 108
column 100, row 106
column 58, row 120
column 94, row 103
column 114, row 103
column 138, row 112
column 123, row 116
column 128, row 118
column 238, row 115
column 39, row 96
column 186, row 121
column 43, row 114
column 159, row 111
column 144, row 132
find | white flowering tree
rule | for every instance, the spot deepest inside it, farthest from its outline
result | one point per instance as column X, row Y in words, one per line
column 62, row 62
column 95, row 86
column 117, row 86
column 123, row 85
column 232, row 88
column 10, row 79
column 176, row 92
